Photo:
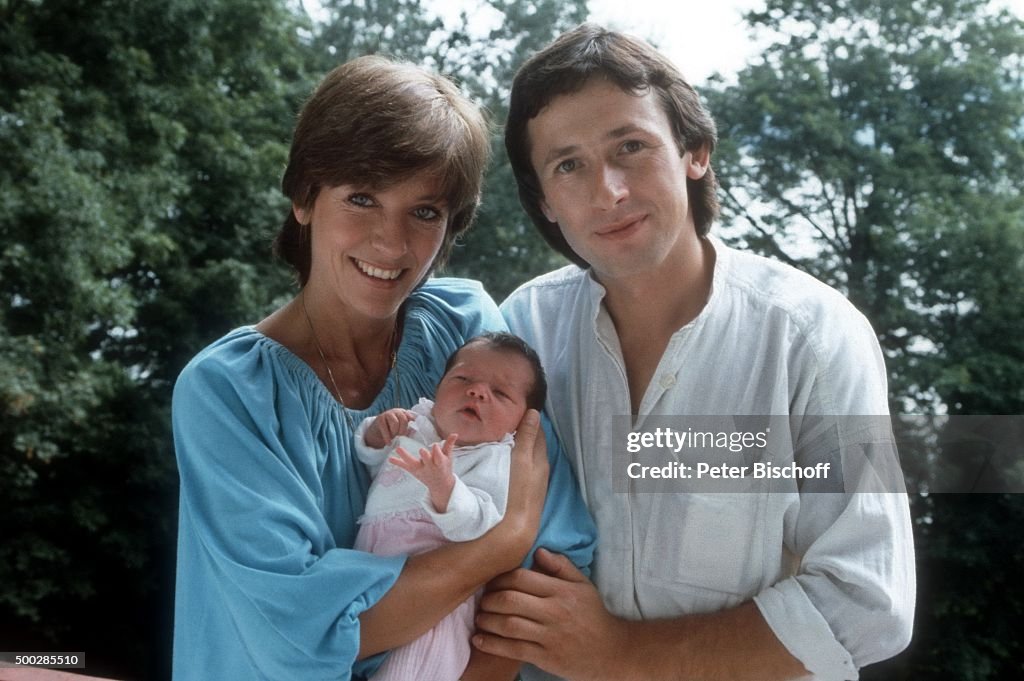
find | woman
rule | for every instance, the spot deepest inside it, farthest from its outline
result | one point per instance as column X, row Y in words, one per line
column 384, row 173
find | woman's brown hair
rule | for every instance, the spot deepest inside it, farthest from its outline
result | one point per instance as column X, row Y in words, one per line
column 374, row 122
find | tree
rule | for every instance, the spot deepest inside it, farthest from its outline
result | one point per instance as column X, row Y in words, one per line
column 403, row 29
column 879, row 146
column 141, row 146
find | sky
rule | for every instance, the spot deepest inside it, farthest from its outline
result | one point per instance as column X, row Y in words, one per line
column 718, row 43
column 701, row 37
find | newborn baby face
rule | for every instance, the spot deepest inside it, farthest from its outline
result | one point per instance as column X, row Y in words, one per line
column 483, row 395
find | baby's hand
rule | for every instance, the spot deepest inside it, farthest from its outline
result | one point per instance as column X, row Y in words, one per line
column 433, row 469
column 388, row 426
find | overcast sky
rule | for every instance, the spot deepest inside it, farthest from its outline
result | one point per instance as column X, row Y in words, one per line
column 701, row 37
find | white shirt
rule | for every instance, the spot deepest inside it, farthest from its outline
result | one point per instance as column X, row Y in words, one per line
column 481, row 471
column 831, row 573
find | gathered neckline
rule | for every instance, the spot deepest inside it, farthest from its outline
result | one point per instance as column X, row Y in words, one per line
column 305, row 373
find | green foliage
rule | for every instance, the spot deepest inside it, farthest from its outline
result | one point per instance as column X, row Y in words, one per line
column 879, row 146
column 396, row 28
column 142, row 142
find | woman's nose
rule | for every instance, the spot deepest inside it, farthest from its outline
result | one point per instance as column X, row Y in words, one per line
column 389, row 237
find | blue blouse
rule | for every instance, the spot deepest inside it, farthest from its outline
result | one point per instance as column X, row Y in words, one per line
column 268, row 586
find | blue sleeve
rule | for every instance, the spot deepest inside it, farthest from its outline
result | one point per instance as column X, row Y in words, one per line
column 566, row 526
column 264, row 591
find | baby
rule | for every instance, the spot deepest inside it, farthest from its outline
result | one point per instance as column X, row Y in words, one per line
column 457, row 488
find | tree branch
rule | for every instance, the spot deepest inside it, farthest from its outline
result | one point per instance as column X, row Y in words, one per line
column 798, row 211
column 752, row 220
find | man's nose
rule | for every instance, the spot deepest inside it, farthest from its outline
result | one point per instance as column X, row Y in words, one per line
column 610, row 186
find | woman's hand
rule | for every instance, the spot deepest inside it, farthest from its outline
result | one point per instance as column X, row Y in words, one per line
column 527, row 489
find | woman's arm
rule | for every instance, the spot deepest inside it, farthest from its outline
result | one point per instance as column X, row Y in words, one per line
column 432, row 584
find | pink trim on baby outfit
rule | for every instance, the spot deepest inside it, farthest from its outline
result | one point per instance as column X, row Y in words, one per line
column 442, row 653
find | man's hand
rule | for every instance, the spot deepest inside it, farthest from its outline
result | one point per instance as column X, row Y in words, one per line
column 553, row 617
column 387, row 426
column 556, row 620
column 433, row 469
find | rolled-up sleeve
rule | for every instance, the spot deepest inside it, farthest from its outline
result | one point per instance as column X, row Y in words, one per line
column 851, row 602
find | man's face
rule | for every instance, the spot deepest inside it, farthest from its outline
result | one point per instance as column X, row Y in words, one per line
column 483, row 396
column 613, row 179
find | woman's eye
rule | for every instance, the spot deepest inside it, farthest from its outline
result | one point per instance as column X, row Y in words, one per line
column 427, row 213
column 632, row 146
column 566, row 166
column 361, row 200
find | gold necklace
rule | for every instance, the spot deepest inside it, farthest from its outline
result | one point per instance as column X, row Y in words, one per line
column 330, row 374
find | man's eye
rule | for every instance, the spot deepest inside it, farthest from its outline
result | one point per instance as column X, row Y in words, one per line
column 362, row 200
column 632, row 146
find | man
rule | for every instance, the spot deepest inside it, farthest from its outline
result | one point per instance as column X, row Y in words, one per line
column 611, row 151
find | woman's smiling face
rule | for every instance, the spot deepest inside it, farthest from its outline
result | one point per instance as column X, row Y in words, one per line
column 372, row 246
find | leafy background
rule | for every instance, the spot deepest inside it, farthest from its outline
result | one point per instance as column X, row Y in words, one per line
column 876, row 145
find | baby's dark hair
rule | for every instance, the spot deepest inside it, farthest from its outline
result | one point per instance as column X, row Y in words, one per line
column 513, row 344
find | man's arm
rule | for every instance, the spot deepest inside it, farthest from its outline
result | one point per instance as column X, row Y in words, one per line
column 556, row 620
